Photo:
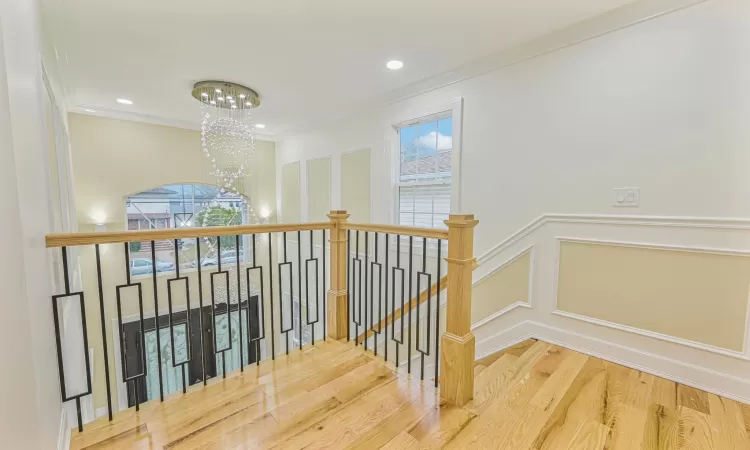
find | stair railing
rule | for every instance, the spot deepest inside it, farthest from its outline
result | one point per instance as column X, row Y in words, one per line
column 259, row 298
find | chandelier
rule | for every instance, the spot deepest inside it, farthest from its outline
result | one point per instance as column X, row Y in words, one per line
column 227, row 136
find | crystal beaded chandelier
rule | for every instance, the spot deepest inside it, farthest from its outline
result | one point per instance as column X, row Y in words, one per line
column 227, row 136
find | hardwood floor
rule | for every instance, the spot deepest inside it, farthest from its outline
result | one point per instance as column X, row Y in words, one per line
column 533, row 395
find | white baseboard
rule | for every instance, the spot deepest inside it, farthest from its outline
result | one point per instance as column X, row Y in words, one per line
column 63, row 439
column 702, row 378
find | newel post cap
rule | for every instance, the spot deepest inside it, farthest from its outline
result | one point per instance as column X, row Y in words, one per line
column 461, row 221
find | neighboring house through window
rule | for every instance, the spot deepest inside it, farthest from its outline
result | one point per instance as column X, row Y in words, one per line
column 425, row 171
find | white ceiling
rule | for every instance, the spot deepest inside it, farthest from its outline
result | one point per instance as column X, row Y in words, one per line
column 308, row 59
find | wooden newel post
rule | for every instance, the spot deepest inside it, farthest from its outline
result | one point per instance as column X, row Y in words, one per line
column 337, row 296
column 457, row 346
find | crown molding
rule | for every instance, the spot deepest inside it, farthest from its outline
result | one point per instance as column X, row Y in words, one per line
column 109, row 113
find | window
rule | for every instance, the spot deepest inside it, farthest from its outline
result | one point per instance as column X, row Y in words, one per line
column 185, row 205
column 425, row 171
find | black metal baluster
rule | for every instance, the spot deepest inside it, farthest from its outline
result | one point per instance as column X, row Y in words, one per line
column 357, row 287
column 229, row 311
column 84, row 330
column 188, row 327
column 367, row 251
column 200, row 305
column 291, row 296
column 156, row 318
column 429, row 305
column 399, row 341
column 411, row 271
column 242, row 342
column 307, row 288
column 385, row 286
column 121, row 330
column 270, row 298
column 104, row 329
column 349, row 296
column 260, row 307
column 437, row 315
column 325, row 304
column 299, row 287
column 376, row 332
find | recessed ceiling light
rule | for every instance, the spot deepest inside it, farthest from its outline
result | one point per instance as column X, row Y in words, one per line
column 248, row 104
column 204, row 95
column 89, row 110
column 231, row 100
column 218, row 91
column 221, row 99
column 259, row 125
column 234, row 106
column 242, row 95
column 124, row 101
column 229, row 97
column 213, row 102
column 394, row 65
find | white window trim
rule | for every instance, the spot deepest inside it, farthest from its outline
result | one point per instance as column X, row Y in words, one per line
column 393, row 144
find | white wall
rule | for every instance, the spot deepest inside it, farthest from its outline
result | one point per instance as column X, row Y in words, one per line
column 30, row 409
column 661, row 104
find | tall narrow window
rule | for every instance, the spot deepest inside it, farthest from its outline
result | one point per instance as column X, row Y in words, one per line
column 424, row 184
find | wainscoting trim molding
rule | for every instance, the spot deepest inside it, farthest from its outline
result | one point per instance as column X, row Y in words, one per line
column 730, row 223
column 652, row 246
column 652, row 334
column 502, row 312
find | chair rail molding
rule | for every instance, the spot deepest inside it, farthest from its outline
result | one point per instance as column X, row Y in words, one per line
column 723, row 223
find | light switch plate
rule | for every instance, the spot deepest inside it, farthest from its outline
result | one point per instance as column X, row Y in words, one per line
column 627, row 197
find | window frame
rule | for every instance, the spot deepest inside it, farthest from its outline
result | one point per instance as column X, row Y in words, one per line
column 416, row 116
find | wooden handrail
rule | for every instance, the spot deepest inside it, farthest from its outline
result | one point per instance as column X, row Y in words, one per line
column 398, row 229
column 415, row 302
column 163, row 234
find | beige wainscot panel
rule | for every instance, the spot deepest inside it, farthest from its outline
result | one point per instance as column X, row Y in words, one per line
column 318, row 189
column 698, row 296
column 508, row 285
column 290, row 193
column 355, row 185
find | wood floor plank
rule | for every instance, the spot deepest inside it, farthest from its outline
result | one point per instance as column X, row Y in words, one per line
column 440, row 426
column 407, row 416
column 692, row 398
column 498, row 418
column 695, row 430
column 531, row 396
column 515, row 350
column 662, row 428
column 727, row 423
column 499, row 368
column 356, row 418
column 583, row 403
column 746, row 415
column 496, row 387
column 402, row 441
column 664, row 392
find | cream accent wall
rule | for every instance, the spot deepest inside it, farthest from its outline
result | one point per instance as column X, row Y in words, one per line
column 355, row 185
column 318, row 189
column 701, row 297
column 290, row 193
column 114, row 158
column 508, row 285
